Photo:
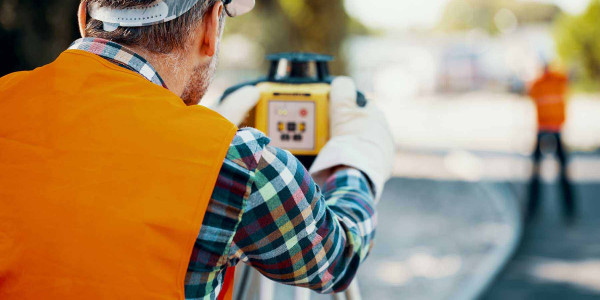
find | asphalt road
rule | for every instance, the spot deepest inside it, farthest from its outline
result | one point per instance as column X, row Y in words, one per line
column 555, row 260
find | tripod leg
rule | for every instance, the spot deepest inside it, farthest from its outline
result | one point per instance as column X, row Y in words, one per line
column 352, row 293
column 244, row 283
column 267, row 289
column 302, row 294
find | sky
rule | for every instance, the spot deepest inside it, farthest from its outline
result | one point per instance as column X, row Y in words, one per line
column 402, row 14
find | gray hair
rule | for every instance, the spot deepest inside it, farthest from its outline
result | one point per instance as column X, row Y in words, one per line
column 158, row 38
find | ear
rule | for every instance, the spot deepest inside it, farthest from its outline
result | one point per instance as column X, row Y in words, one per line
column 82, row 17
column 210, row 24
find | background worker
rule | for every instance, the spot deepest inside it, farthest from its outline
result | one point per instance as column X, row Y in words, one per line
column 549, row 93
column 114, row 184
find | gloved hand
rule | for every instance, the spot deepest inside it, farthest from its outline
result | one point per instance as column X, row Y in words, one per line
column 360, row 138
column 237, row 105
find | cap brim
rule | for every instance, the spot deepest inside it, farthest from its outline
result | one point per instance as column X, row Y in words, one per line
column 240, row 7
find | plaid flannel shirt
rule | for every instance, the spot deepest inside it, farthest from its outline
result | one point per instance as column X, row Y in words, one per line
column 267, row 211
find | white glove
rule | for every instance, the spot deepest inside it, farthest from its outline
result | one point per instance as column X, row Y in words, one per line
column 360, row 138
column 237, row 105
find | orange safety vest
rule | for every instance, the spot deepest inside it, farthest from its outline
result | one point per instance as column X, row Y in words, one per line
column 549, row 93
column 105, row 178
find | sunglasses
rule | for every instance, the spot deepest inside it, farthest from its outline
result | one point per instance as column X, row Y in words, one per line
column 235, row 8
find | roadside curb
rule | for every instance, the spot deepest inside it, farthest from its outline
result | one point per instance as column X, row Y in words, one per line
column 507, row 203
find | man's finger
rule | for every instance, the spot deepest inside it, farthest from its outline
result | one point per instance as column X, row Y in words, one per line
column 343, row 90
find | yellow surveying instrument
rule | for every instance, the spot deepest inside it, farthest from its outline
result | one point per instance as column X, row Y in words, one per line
column 293, row 109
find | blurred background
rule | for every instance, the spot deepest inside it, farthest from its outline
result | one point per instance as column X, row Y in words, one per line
column 452, row 77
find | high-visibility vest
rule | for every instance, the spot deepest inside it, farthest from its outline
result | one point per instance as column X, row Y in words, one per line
column 549, row 93
column 105, row 178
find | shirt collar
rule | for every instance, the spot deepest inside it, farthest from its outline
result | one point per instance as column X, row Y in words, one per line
column 119, row 55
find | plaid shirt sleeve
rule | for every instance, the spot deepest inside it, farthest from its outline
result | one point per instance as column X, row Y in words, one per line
column 267, row 211
column 295, row 234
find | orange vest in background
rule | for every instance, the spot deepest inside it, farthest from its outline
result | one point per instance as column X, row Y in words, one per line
column 549, row 94
column 105, row 178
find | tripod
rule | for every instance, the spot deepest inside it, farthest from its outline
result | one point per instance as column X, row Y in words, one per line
column 251, row 283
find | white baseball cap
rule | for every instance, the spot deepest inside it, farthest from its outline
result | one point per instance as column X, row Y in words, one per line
column 159, row 11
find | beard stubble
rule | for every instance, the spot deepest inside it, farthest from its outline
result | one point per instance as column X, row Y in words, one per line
column 198, row 84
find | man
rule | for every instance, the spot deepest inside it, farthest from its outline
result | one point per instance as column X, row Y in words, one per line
column 549, row 92
column 114, row 184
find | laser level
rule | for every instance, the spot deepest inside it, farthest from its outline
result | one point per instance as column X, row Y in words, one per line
column 293, row 109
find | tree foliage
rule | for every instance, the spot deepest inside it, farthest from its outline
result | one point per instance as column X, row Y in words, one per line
column 469, row 14
column 578, row 44
column 34, row 32
column 297, row 25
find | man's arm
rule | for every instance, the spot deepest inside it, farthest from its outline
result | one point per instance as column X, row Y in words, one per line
column 295, row 234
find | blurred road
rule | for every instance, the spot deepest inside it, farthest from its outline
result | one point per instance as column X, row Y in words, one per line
column 439, row 239
column 556, row 261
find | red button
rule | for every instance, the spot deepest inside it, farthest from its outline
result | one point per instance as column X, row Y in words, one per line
column 303, row 112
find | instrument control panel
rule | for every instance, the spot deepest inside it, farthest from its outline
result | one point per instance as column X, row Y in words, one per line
column 291, row 124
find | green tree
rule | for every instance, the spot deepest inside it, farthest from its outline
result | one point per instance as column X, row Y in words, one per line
column 469, row 14
column 298, row 25
column 34, row 32
column 578, row 44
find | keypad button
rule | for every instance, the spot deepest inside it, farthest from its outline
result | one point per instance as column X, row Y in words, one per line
column 291, row 126
column 298, row 137
column 302, row 127
column 285, row 137
column 303, row 112
column 281, row 126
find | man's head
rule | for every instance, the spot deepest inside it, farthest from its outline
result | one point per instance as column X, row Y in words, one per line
column 190, row 40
